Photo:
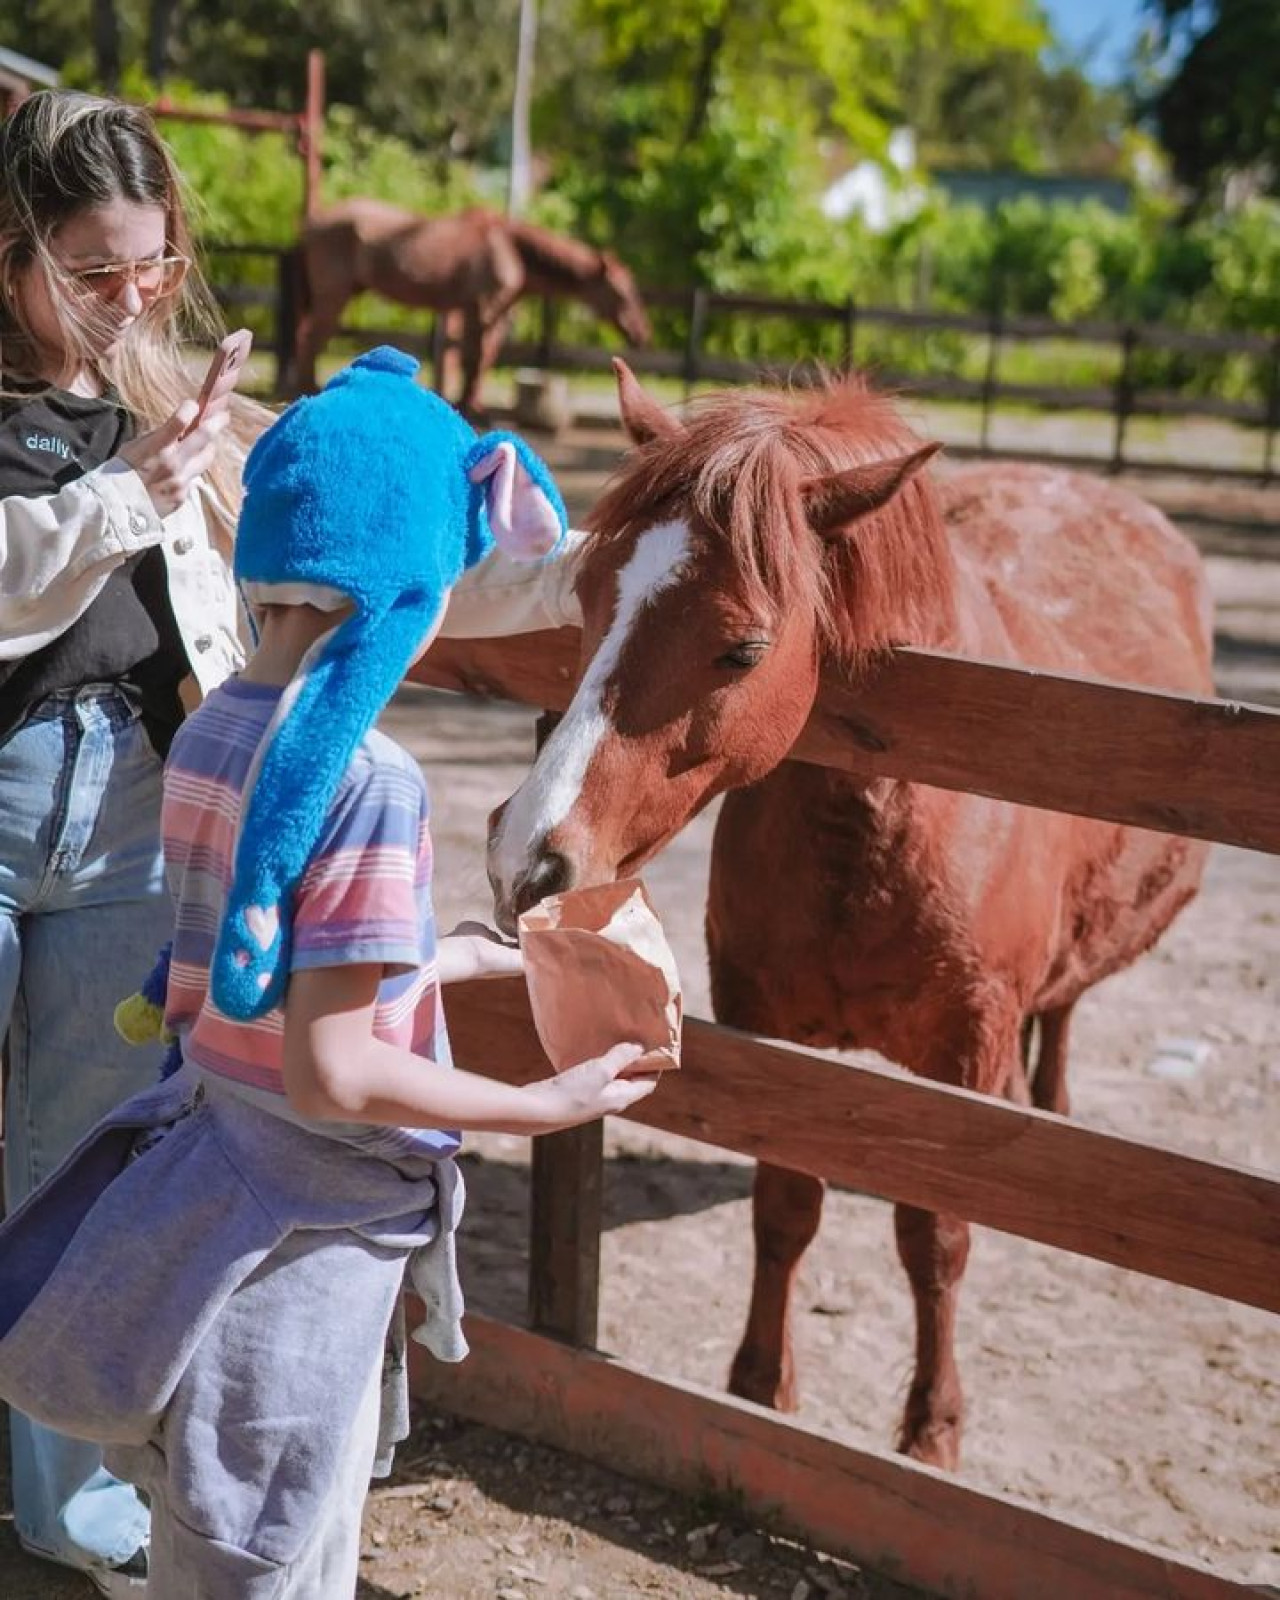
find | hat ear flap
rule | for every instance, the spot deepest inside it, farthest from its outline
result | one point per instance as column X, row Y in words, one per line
column 525, row 512
column 304, row 755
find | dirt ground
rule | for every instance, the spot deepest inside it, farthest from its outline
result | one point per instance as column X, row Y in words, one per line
column 1145, row 1408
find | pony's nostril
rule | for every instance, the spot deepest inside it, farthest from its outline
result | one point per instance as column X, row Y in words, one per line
column 549, row 875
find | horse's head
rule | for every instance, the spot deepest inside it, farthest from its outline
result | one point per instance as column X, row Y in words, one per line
column 613, row 295
column 719, row 572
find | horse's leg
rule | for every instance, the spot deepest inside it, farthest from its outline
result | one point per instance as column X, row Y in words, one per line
column 316, row 327
column 503, row 284
column 452, row 330
column 471, row 349
column 786, row 1209
column 490, row 332
column 1049, row 1087
column 491, row 342
column 934, row 1249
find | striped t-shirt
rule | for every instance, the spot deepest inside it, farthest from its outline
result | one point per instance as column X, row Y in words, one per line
column 364, row 898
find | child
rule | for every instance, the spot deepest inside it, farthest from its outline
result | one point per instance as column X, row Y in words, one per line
column 286, row 1175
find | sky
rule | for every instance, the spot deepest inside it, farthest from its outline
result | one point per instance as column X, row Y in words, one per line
column 1115, row 22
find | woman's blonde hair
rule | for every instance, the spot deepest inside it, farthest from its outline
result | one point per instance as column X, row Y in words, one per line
column 61, row 153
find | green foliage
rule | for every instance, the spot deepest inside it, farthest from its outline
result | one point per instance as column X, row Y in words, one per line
column 1219, row 109
column 693, row 138
column 734, row 208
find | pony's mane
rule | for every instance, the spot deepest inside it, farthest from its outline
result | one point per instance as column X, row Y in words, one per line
column 735, row 468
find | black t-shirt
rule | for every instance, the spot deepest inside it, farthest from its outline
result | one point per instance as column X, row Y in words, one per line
column 127, row 635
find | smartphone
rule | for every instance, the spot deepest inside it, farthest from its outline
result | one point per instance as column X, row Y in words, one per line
column 223, row 374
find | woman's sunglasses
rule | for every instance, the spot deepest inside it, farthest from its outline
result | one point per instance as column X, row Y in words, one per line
column 153, row 278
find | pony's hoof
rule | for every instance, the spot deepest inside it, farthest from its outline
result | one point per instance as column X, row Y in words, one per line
column 764, row 1386
column 937, row 1444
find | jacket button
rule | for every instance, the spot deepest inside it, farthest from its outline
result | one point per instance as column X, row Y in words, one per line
column 183, row 544
column 204, row 642
column 139, row 521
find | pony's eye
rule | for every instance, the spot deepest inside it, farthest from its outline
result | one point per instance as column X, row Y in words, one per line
column 744, row 655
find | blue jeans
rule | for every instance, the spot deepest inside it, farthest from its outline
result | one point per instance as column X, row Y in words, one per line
column 83, row 911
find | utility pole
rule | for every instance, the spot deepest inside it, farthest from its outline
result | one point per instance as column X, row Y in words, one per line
column 521, row 151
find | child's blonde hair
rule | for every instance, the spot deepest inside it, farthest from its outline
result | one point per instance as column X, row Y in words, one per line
column 61, row 153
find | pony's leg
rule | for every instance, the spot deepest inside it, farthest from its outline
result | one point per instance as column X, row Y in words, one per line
column 1017, row 1085
column 934, row 1250
column 786, row 1209
column 1049, row 1087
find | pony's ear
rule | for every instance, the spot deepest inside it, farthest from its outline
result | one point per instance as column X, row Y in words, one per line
column 835, row 502
column 642, row 416
column 526, row 515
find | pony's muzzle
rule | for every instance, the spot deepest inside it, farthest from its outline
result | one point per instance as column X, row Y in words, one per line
column 550, row 874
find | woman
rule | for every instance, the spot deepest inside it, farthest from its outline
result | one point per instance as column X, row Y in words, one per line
column 115, row 539
column 116, row 604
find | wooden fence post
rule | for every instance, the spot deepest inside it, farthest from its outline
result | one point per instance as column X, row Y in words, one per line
column 311, row 135
column 1123, row 397
column 693, row 344
column 548, row 318
column 565, row 1216
column 288, row 268
column 1273, row 416
column 991, row 377
column 849, row 333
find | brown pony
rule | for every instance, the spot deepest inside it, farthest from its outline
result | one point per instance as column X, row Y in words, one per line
column 735, row 557
column 475, row 263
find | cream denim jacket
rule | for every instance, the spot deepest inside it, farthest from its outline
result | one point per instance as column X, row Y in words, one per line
column 57, row 551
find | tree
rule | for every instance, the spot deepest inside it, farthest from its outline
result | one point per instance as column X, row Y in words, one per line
column 1219, row 111
column 1004, row 109
column 106, row 43
column 850, row 66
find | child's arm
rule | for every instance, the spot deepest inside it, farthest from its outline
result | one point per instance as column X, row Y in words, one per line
column 335, row 1069
column 472, row 950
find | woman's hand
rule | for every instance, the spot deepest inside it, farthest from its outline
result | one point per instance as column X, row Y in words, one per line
column 600, row 1087
column 168, row 463
column 472, row 950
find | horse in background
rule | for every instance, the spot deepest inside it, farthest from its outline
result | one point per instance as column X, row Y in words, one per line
column 736, row 557
column 475, row 263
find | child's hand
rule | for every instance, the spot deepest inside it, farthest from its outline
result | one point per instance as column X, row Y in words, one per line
column 472, row 950
column 600, row 1087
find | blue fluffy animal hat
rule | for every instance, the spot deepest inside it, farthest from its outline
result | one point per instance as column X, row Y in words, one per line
column 373, row 493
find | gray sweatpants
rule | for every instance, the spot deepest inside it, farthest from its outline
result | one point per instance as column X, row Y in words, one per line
column 187, row 1567
column 259, row 1469
column 215, row 1312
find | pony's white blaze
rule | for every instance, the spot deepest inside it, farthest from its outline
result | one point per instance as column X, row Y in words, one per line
column 551, row 790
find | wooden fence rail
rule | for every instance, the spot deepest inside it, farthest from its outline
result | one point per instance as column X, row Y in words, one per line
column 1199, row 1223
column 892, row 1515
column 1171, row 762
